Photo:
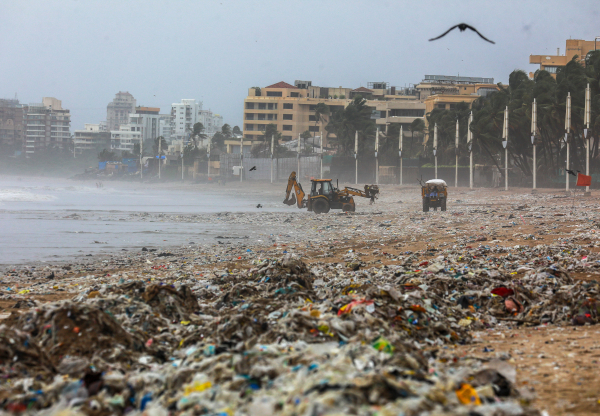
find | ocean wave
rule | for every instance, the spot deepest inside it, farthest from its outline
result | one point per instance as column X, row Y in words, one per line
column 12, row 195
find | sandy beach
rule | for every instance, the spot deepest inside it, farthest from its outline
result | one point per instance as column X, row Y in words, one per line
column 486, row 239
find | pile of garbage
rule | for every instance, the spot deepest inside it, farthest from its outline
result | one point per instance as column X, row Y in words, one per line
column 280, row 338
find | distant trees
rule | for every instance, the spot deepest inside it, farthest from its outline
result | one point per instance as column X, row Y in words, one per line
column 551, row 95
column 197, row 133
column 236, row 130
column 106, row 156
column 344, row 123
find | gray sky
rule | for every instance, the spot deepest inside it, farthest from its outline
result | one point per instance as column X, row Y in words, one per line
column 83, row 52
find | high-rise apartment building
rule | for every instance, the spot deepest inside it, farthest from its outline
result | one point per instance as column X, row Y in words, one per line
column 189, row 112
column 91, row 138
column 118, row 110
column 148, row 118
column 11, row 123
column 46, row 125
column 573, row 47
column 292, row 107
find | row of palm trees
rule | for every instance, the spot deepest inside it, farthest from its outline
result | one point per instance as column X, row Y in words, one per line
column 551, row 96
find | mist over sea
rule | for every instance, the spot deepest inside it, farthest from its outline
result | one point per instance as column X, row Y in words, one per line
column 49, row 220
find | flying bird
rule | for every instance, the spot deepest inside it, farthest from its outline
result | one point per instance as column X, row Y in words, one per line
column 259, row 206
column 570, row 172
column 462, row 27
column 252, row 168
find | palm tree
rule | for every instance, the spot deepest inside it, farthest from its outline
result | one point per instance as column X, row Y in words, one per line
column 226, row 130
column 417, row 126
column 197, row 133
column 321, row 111
column 345, row 123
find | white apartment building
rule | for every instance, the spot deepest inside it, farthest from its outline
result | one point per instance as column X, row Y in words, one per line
column 189, row 112
column 127, row 136
column 46, row 125
column 91, row 138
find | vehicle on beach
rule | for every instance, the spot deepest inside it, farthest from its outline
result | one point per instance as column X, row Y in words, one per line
column 324, row 196
column 435, row 194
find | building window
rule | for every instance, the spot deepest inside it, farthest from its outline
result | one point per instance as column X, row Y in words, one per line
column 262, row 127
column 249, row 116
column 287, row 127
column 274, row 94
column 407, row 112
column 442, row 106
column 262, row 106
column 288, row 106
column 249, row 127
column 272, row 106
column 262, row 117
column 286, row 138
column 551, row 69
column 295, row 94
column 313, row 128
column 288, row 117
column 272, row 117
column 250, row 106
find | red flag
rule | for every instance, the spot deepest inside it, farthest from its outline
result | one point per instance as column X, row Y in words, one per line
column 584, row 180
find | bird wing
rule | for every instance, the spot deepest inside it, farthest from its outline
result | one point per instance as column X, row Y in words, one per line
column 445, row 33
column 482, row 37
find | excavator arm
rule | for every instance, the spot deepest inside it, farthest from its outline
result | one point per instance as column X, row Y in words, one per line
column 297, row 196
column 371, row 191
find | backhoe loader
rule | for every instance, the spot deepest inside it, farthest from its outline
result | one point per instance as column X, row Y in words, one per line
column 323, row 196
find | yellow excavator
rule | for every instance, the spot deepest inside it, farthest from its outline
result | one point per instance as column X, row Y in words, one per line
column 323, row 196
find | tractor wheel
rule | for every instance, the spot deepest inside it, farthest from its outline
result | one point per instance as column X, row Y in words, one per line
column 348, row 208
column 320, row 206
column 444, row 204
column 425, row 205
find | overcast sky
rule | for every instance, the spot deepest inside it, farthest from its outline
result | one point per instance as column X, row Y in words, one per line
column 83, row 52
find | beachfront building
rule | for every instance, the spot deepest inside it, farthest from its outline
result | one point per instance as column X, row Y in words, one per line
column 551, row 63
column 128, row 135
column 11, row 124
column 46, row 125
column 118, row 110
column 189, row 112
column 292, row 107
column 91, row 139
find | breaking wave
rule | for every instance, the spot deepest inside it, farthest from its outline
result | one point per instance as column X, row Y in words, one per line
column 12, row 195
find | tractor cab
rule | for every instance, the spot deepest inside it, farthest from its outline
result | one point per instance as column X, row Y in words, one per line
column 321, row 187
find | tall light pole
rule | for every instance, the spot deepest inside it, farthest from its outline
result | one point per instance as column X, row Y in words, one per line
column 587, row 117
column 356, row 157
column 435, row 148
column 298, row 157
column 241, row 158
column 534, row 143
column 272, row 154
column 321, row 155
column 208, row 159
column 400, row 151
column 182, row 161
column 567, row 139
column 470, row 146
column 456, row 152
column 142, row 158
column 376, row 156
column 505, row 144
column 159, row 154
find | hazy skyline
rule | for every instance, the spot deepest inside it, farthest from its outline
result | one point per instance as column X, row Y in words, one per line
column 84, row 52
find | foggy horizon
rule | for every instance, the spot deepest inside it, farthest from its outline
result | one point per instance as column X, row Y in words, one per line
column 83, row 53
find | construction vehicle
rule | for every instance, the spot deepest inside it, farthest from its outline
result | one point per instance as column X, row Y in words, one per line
column 323, row 196
column 435, row 194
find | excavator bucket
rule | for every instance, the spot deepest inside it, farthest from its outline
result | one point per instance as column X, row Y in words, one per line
column 291, row 200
